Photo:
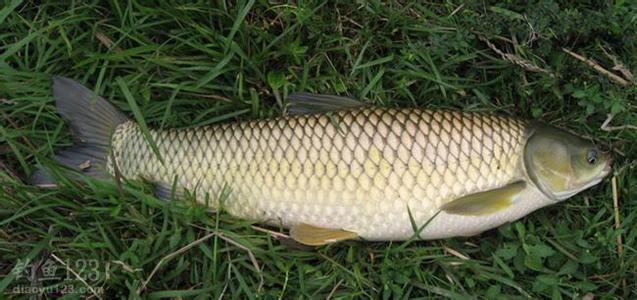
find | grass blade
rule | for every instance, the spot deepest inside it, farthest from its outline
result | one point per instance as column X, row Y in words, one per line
column 139, row 117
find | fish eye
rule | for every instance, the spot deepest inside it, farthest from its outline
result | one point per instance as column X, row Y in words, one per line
column 591, row 156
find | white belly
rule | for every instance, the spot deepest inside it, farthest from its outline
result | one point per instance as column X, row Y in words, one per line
column 449, row 225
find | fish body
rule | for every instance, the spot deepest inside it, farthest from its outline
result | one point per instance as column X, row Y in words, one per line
column 362, row 170
column 373, row 173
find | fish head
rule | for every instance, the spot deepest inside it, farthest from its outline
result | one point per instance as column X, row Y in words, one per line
column 562, row 164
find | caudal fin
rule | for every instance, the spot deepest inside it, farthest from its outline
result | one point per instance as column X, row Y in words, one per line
column 92, row 120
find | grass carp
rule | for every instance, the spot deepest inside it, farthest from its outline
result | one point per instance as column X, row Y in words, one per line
column 335, row 169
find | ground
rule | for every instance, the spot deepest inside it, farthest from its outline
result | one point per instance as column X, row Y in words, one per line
column 174, row 65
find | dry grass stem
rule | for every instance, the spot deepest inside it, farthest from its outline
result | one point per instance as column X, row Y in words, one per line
column 619, row 66
column 126, row 267
column 609, row 118
column 106, row 41
column 455, row 253
column 620, row 246
column 90, row 288
column 170, row 256
column 253, row 258
column 195, row 243
column 331, row 294
column 514, row 59
column 455, row 11
column 598, row 68
column 275, row 234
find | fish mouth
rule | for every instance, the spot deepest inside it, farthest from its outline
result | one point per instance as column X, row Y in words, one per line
column 608, row 168
column 605, row 172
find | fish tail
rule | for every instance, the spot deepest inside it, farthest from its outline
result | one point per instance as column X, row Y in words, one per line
column 92, row 120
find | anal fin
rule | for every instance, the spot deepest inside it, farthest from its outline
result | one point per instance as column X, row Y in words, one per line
column 316, row 236
column 483, row 203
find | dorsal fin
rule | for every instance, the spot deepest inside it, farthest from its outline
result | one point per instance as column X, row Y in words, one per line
column 305, row 103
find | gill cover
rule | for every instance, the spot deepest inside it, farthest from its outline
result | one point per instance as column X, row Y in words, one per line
column 562, row 164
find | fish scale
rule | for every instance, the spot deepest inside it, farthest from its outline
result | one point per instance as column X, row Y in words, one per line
column 364, row 170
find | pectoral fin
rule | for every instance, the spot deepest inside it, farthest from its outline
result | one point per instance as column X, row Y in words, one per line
column 485, row 202
column 316, row 236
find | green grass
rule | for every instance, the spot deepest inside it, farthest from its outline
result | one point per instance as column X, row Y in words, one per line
column 215, row 61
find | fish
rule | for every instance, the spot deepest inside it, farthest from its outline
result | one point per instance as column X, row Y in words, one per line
column 335, row 169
